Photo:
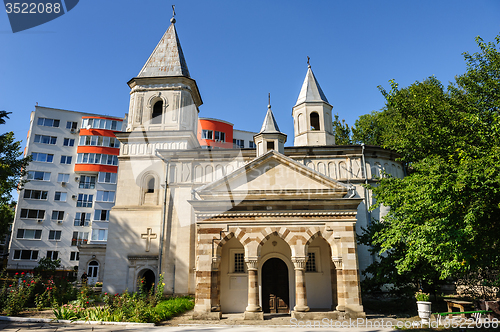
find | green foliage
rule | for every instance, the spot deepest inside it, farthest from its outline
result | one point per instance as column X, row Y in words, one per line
column 368, row 129
column 421, row 296
column 47, row 266
column 445, row 215
column 20, row 293
column 341, row 131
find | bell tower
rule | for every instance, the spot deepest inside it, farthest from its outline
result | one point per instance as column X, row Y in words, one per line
column 163, row 96
column 312, row 114
column 270, row 137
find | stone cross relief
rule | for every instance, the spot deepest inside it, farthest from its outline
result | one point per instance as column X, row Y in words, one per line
column 148, row 237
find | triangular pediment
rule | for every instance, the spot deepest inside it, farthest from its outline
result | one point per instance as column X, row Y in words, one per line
column 273, row 175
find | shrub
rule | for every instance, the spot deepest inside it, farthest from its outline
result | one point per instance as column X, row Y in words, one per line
column 421, row 296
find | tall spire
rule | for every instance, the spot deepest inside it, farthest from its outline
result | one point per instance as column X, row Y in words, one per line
column 167, row 58
column 311, row 91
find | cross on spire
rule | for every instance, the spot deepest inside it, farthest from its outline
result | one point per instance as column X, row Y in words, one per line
column 173, row 14
column 269, row 100
column 308, row 64
column 148, row 237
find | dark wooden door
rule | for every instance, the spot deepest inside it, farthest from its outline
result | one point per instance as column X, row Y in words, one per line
column 275, row 290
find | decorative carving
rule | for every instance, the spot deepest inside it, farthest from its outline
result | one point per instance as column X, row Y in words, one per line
column 252, row 263
column 216, row 263
column 299, row 262
column 148, row 237
column 338, row 262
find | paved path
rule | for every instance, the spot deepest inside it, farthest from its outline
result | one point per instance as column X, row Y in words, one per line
column 48, row 327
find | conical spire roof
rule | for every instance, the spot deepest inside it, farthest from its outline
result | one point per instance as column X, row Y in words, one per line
column 167, row 58
column 270, row 125
column 311, row 91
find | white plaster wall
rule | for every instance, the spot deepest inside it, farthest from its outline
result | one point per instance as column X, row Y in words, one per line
column 234, row 286
column 318, row 284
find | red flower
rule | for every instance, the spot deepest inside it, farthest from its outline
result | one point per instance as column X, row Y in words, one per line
column 87, row 302
column 17, row 273
column 10, row 285
column 106, row 293
column 24, row 280
column 22, row 272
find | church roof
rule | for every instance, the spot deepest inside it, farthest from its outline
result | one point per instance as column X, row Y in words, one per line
column 270, row 125
column 311, row 91
column 167, row 58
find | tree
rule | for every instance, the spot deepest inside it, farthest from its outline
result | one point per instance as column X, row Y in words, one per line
column 368, row 129
column 12, row 168
column 445, row 215
column 341, row 131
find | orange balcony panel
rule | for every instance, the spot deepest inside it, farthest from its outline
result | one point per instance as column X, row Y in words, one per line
column 98, row 132
column 96, row 168
column 98, row 149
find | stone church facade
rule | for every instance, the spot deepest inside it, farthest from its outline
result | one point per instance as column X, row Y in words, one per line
column 271, row 229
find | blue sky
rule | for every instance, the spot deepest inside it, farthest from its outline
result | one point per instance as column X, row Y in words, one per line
column 238, row 51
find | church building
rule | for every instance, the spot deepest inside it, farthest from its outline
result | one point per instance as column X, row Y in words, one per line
column 270, row 229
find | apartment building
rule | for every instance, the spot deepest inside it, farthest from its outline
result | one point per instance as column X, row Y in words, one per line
column 220, row 134
column 71, row 187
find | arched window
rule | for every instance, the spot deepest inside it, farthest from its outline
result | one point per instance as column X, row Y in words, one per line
column 151, row 186
column 299, row 124
column 314, row 117
column 156, row 117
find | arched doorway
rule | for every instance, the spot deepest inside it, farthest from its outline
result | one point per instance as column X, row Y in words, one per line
column 149, row 279
column 93, row 272
column 275, row 287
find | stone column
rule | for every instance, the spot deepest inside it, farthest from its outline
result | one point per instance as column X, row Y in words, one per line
column 340, row 284
column 215, row 283
column 253, row 310
column 300, row 284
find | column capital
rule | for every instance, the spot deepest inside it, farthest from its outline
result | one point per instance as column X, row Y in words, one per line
column 299, row 262
column 252, row 263
column 216, row 263
column 338, row 262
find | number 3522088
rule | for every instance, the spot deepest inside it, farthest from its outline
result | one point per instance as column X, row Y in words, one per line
column 32, row 8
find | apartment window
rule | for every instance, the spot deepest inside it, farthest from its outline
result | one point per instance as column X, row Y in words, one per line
column 84, row 200
column 71, row 125
column 35, row 194
column 74, row 256
column 29, row 234
column 39, row 176
column 238, row 143
column 311, row 262
column 52, row 254
column 42, row 157
column 45, row 139
column 57, row 215
column 100, row 124
column 101, row 215
column 251, row 144
column 239, row 262
column 54, row 235
column 62, row 177
column 105, row 141
column 69, row 142
column 105, row 177
column 87, row 182
column 60, row 196
column 97, row 158
column 105, row 196
column 82, row 219
column 66, row 160
column 219, row 136
column 206, row 134
column 32, row 214
column 48, row 122
column 79, row 238
column 26, row 254
column 99, row 235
